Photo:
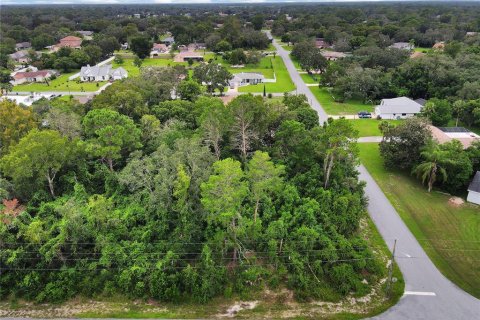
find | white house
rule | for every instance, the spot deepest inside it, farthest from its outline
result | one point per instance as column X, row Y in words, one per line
column 397, row 108
column 246, row 78
column 474, row 189
column 403, row 46
column 32, row 76
column 102, row 73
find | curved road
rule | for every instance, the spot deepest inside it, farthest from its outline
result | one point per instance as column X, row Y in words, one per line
column 428, row 294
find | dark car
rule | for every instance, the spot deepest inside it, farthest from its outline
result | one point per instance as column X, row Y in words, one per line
column 364, row 114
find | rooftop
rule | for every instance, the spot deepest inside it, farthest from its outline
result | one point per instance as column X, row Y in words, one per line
column 475, row 184
column 447, row 134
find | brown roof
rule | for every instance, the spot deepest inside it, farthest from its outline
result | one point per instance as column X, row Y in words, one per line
column 417, row 54
column 31, row 74
column 71, row 38
column 439, row 45
column 442, row 137
column 70, row 41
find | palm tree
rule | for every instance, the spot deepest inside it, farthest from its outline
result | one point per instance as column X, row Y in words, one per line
column 431, row 169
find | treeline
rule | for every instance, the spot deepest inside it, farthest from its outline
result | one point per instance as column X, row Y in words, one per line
column 141, row 195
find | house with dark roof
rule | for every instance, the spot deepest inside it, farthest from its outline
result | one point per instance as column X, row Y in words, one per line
column 23, row 46
column 397, row 108
column 474, row 189
column 20, row 56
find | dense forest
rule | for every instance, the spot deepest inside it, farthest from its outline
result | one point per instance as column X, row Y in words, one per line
column 178, row 199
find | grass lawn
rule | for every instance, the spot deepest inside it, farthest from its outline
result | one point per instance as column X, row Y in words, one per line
column 369, row 127
column 450, row 235
column 265, row 67
column 310, row 78
column 332, row 107
column 159, row 62
column 284, row 82
column 424, row 50
column 296, row 63
column 61, row 83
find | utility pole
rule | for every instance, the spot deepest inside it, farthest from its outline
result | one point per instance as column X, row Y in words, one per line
column 390, row 270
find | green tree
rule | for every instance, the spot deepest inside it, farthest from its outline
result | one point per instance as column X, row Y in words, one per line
column 438, row 111
column 110, row 135
column 431, row 168
column 137, row 62
column 214, row 122
column 222, row 196
column 141, row 46
column 16, row 122
column 264, row 178
column 40, row 155
column 189, row 90
column 213, row 75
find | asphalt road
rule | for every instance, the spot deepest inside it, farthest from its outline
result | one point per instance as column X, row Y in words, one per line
column 428, row 294
column 297, row 80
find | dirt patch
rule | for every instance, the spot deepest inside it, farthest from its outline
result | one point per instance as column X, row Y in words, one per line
column 455, row 201
column 237, row 307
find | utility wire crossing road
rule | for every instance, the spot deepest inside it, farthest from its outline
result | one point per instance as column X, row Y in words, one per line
column 428, row 295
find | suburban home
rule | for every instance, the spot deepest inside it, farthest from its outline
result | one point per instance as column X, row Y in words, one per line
column 421, row 101
column 447, row 134
column 321, row 43
column 157, row 49
column 397, row 108
column 20, row 56
column 196, row 46
column 403, row 46
column 183, row 48
column 474, row 189
column 70, row 41
column 32, row 76
column 246, row 78
column 188, row 55
column 333, row 55
column 102, row 73
column 439, row 46
column 471, row 34
column 87, row 35
column 23, row 46
column 168, row 41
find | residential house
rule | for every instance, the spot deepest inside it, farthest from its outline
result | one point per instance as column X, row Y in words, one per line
column 447, row 134
column 439, row 46
column 21, row 56
column 87, row 35
column 333, row 55
column 246, row 78
column 471, row 34
column 102, row 73
column 186, row 56
column 474, row 189
column 183, row 48
column 157, row 49
column 321, row 43
column 403, row 46
column 23, row 46
column 70, row 42
column 168, row 41
column 32, row 76
column 421, row 101
column 397, row 108
column 196, row 46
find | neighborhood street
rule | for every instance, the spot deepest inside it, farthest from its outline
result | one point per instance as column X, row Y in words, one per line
column 428, row 294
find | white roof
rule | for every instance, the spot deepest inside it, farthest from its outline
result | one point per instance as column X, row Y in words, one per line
column 248, row 75
column 95, row 71
column 398, row 106
column 119, row 72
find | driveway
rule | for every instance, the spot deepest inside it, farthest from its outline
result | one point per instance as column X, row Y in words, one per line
column 428, row 294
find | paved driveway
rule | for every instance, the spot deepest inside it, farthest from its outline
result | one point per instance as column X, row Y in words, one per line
column 428, row 294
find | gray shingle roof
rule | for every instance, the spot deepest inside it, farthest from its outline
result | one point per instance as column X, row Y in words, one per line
column 399, row 105
column 475, row 184
column 95, row 71
column 249, row 75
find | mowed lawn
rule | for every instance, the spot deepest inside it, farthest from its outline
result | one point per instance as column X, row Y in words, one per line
column 332, row 107
column 61, row 83
column 310, row 78
column 369, row 127
column 284, row 82
column 450, row 235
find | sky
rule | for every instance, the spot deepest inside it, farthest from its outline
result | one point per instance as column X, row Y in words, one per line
column 50, row 2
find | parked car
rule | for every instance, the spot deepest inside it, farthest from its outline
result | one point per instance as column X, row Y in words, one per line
column 364, row 114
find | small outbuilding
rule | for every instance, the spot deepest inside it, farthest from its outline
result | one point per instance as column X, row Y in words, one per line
column 474, row 189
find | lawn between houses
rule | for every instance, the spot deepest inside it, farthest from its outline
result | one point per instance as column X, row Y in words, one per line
column 331, row 107
column 369, row 127
column 61, row 83
column 449, row 235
